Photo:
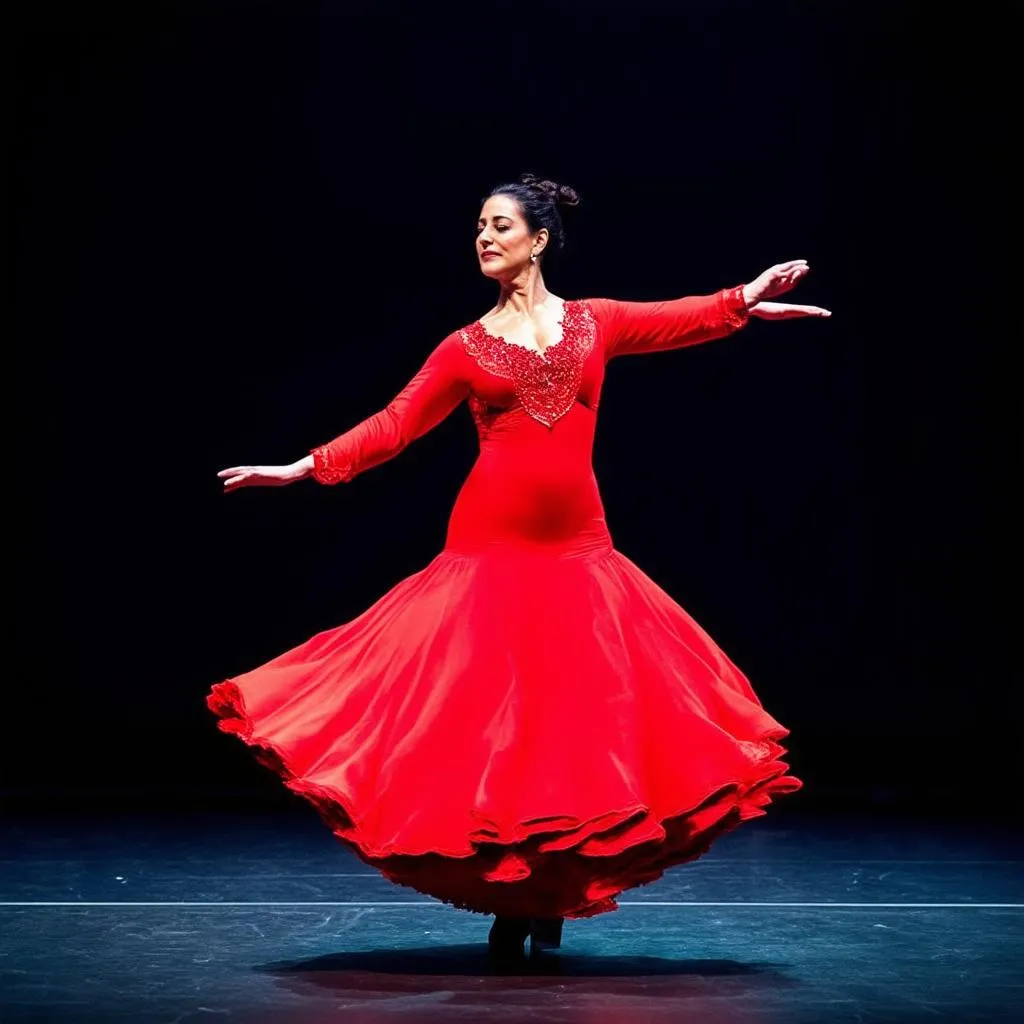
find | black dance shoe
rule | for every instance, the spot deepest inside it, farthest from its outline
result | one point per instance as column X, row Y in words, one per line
column 506, row 938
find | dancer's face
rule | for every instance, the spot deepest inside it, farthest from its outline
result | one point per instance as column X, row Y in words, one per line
column 503, row 239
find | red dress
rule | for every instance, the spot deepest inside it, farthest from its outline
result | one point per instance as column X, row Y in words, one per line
column 529, row 725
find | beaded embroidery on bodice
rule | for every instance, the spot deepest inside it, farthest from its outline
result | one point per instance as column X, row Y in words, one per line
column 546, row 383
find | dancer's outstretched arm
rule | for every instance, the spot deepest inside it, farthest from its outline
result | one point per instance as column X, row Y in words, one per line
column 439, row 386
column 637, row 327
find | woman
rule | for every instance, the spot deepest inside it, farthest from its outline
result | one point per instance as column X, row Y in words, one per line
column 529, row 725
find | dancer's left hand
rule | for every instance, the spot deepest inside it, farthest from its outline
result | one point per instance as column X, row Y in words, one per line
column 776, row 281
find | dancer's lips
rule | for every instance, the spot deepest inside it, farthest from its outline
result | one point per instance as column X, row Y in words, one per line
column 489, row 255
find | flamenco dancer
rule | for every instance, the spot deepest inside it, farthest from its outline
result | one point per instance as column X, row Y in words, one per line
column 529, row 725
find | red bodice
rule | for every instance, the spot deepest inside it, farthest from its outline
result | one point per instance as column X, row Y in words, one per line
column 533, row 482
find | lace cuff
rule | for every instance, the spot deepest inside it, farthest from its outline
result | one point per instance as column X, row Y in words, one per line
column 735, row 307
column 326, row 469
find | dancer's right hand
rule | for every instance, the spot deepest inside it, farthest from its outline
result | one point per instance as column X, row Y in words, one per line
column 265, row 476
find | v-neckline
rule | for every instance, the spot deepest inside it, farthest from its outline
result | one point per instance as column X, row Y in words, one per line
column 540, row 353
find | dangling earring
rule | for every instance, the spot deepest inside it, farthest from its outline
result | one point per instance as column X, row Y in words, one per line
column 533, row 257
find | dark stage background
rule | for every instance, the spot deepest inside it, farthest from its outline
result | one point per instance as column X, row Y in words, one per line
column 238, row 228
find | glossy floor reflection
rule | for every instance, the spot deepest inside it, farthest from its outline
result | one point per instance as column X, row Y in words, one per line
column 788, row 920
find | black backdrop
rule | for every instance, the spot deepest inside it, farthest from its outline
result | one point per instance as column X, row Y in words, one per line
column 238, row 228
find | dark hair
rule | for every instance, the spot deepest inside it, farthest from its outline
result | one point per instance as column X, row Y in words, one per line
column 539, row 199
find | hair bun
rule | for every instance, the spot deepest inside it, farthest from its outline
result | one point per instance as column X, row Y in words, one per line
column 562, row 195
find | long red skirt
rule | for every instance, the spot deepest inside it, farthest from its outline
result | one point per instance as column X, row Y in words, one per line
column 516, row 734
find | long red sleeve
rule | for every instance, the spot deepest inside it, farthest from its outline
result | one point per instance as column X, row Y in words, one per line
column 439, row 386
column 634, row 327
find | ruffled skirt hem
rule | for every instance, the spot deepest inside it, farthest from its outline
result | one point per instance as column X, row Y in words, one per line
column 556, row 866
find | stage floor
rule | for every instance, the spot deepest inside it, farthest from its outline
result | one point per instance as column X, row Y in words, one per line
column 248, row 919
